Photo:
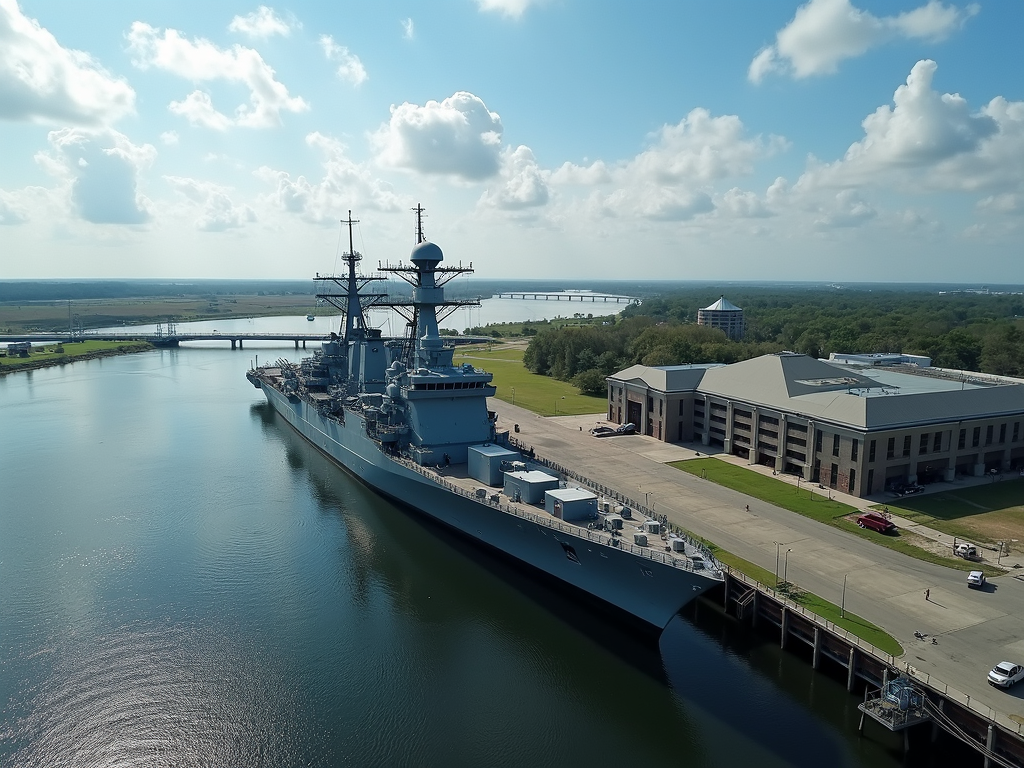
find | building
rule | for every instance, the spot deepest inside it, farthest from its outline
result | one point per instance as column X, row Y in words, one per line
column 857, row 427
column 724, row 315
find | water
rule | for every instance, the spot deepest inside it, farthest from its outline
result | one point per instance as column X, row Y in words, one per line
column 184, row 582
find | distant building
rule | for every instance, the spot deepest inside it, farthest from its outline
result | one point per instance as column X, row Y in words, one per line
column 19, row 348
column 860, row 427
column 724, row 315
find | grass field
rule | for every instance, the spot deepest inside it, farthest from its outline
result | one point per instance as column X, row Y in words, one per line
column 48, row 355
column 852, row 623
column 984, row 514
column 541, row 394
column 805, row 503
column 95, row 313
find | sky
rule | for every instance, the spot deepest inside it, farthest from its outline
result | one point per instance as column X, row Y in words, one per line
column 830, row 140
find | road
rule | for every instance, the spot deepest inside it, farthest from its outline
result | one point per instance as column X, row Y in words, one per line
column 973, row 629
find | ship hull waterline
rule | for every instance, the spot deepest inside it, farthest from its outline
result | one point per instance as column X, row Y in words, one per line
column 646, row 590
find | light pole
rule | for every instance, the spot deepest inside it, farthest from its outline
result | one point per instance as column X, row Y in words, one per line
column 842, row 607
column 513, row 395
column 785, row 568
column 777, row 545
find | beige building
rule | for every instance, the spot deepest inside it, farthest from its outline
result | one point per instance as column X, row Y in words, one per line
column 724, row 315
column 858, row 427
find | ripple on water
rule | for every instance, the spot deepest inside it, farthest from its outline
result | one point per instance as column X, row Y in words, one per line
column 168, row 695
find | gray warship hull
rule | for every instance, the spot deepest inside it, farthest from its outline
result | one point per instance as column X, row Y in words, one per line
column 644, row 584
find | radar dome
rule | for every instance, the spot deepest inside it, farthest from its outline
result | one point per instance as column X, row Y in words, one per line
column 426, row 253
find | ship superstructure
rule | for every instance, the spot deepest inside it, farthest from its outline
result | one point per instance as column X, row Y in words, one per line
column 407, row 421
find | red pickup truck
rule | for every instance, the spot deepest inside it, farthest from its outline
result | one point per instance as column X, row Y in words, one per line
column 876, row 522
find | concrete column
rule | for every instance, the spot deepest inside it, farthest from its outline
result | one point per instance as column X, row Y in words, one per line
column 754, row 416
column 785, row 627
column 851, row 673
column 240, row 344
column 990, row 743
column 756, row 603
column 232, row 343
column 809, row 452
column 729, row 426
column 780, row 459
column 296, row 343
column 816, row 656
column 725, row 601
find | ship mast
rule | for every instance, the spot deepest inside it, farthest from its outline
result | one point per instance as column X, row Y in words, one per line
column 352, row 301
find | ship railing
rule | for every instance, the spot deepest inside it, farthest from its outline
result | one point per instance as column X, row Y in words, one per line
column 588, row 534
column 710, row 561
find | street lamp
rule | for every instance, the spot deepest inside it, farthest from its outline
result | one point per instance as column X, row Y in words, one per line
column 785, row 568
column 777, row 545
column 513, row 395
column 842, row 607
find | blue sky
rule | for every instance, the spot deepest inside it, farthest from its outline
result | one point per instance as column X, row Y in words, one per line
column 835, row 140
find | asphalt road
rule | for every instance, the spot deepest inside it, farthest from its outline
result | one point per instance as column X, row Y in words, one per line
column 973, row 629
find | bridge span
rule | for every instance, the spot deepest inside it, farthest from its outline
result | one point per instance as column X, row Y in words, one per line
column 582, row 296
column 237, row 340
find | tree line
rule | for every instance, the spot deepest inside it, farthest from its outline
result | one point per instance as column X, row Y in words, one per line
column 965, row 331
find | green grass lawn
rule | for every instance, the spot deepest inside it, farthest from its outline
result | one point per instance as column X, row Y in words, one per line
column 983, row 513
column 852, row 623
column 803, row 502
column 48, row 354
column 515, row 384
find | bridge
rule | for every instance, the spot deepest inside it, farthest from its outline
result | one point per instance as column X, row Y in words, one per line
column 567, row 296
column 175, row 339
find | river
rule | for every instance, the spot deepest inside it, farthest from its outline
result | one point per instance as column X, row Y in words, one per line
column 184, row 582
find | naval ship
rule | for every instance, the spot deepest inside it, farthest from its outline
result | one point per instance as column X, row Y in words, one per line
column 403, row 418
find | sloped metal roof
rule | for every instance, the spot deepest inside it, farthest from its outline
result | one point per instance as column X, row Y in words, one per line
column 724, row 305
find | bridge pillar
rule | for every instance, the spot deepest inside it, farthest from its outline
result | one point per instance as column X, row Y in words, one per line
column 232, row 343
column 296, row 343
column 303, row 343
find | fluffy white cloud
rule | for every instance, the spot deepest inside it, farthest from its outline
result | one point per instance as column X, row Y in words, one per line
column 741, row 204
column 345, row 185
column 216, row 211
column 825, row 32
column 11, row 210
column 201, row 60
column 170, row 138
column 511, row 8
column 261, row 23
column 930, row 141
column 701, row 148
column 659, row 203
column 522, row 182
column 350, row 68
column 40, row 80
column 408, row 30
column 588, row 175
column 457, row 137
column 100, row 170
column 846, row 209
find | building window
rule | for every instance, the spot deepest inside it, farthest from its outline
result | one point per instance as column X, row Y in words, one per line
column 681, row 404
column 976, row 437
column 906, row 445
column 871, row 452
column 835, row 445
column 871, row 479
column 834, row 480
column 1016, row 431
column 1002, row 433
column 817, row 441
column 937, row 442
column 923, row 447
column 855, row 450
column 816, row 471
column 661, row 407
column 988, row 435
column 853, row 481
column 962, row 442
column 890, row 448
column 650, row 404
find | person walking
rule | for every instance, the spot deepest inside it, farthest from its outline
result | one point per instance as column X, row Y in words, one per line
column 927, row 594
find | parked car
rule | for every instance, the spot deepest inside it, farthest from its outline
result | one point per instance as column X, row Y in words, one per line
column 1005, row 674
column 966, row 551
column 976, row 579
column 622, row 429
column 876, row 522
